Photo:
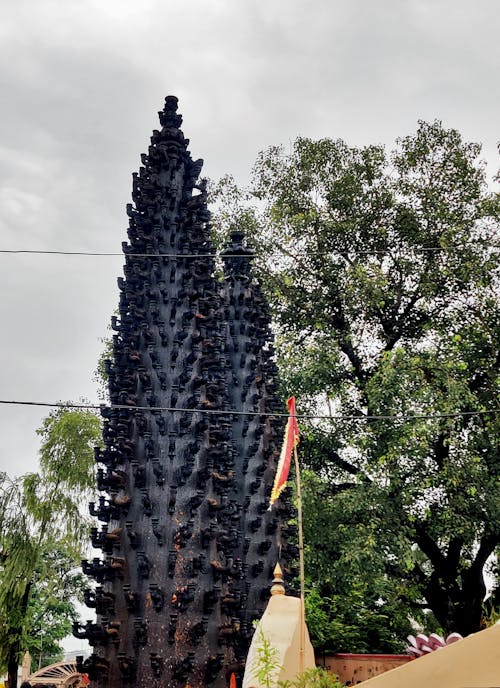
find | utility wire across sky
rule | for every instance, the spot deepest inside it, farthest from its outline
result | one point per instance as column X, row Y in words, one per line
column 226, row 412
column 245, row 254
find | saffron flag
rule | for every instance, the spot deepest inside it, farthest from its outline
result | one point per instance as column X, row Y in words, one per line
column 290, row 441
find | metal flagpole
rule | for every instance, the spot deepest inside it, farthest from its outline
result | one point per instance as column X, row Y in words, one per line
column 290, row 444
column 301, row 564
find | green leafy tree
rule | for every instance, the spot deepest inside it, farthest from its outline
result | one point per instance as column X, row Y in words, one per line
column 38, row 510
column 382, row 273
column 100, row 376
column 57, row 585
column 352, row 604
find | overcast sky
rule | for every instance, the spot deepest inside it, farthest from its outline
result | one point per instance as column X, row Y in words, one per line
column 81, row 82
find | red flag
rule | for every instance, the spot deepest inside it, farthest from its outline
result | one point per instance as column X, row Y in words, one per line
column 290, row 441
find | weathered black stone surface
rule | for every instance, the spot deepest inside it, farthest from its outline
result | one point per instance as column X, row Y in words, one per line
column 188, row 544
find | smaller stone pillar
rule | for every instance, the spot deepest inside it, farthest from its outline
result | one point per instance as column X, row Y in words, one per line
column 280, row 626
column 26, row 667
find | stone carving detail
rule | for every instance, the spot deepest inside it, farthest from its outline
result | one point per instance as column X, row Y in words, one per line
column 188, row 544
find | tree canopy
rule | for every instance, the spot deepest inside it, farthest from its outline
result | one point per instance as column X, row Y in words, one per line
column 42, row 532
column 57, row 585
column 382, row 274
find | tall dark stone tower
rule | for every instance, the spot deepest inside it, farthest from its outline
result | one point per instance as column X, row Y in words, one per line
column 190, row 445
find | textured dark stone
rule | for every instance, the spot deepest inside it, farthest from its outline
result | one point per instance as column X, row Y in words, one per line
column 188, row 544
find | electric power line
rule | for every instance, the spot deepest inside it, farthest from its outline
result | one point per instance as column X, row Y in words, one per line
column 226, row 412
column 122, row 254
column 245, row 254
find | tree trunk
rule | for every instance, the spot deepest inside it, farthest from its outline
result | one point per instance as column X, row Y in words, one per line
column 15, row 648
column 455, row 594
column 12, row 667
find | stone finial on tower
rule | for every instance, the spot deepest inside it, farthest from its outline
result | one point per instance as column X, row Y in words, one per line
column 169, row 116
column 278, row 586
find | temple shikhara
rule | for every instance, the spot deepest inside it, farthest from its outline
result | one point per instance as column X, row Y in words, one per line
column 190, row 445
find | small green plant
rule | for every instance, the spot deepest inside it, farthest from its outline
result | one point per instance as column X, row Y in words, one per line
column 313, row 678
column 490, row 616
column 265, row 667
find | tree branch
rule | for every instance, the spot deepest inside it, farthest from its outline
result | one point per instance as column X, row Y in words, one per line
column 441, row 450
column 487, row 545
column 429, row 547
column 347, row 466
column 454, row 552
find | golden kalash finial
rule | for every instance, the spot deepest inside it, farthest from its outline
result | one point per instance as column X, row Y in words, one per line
column 278, row 586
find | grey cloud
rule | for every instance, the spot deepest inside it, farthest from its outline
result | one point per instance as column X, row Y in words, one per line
column 81, row 83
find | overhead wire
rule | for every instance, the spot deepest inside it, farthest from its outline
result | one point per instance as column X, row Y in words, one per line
column 360, row 417
column 245, row 254
column 273, row 414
